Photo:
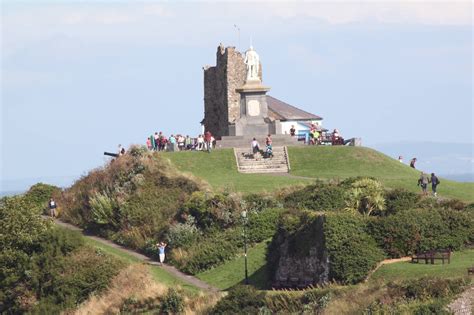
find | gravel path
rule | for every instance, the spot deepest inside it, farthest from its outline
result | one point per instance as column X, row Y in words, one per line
column 170, row 269
column 464, row 304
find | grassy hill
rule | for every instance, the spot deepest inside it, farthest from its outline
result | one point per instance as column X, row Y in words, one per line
column 308, row 163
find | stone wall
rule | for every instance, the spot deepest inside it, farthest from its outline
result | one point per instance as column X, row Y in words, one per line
column 221, row 101
column 299, row 270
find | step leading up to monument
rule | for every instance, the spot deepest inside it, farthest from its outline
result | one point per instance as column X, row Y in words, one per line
column 249, row 163
column 245, row 141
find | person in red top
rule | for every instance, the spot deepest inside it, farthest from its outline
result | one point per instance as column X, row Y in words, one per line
column 208, row 140
column 268, row 140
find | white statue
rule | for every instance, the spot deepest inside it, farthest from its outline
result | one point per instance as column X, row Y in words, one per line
column 253, row 63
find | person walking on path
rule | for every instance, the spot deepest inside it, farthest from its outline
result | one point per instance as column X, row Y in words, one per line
column 161, row 251
column 434, row 183
column 412, row 162
column 255, row 146
column 52, row 207
column 423, row 181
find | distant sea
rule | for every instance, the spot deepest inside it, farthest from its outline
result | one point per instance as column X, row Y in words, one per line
column 11, row 193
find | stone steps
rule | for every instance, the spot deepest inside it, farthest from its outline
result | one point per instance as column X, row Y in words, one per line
column 247, row 163
column 244, row 141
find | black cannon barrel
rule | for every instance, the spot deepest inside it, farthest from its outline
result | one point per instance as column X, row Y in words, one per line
column 111, row 154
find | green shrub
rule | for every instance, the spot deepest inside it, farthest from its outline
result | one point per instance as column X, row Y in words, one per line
column 399, row 200
column 39, row 194
column 182, row 234
column 260, row 202
column 352, row 252
column 365, row 196
column 410, row 231
column 240, row 300
column 104, row 210
column 262, row 225
column 319, row 197
column 213, row 210
column 172, row 303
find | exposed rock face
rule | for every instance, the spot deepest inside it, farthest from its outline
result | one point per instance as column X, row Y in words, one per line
column 301, row 269
column 221, row 100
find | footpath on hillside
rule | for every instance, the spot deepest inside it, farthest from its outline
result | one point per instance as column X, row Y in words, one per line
column 170, row 269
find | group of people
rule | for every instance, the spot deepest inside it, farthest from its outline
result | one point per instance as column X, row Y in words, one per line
column 159, row 142
column 317, row 136
column 256, row 151
column 424, row 179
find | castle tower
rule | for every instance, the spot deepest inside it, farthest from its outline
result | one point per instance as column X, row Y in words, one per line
column 221, row 99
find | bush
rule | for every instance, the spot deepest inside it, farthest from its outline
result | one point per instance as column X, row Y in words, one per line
column 207, row 251
column 399, row 200
column 172, row 303
column 39, row 194
column 365, row 196
column 182, row 234
column 262, row 225
column 410, row 231
column 104, row 210
column 260, row 202
column 318, row 197
column 352, row 252
column 213, row 210
column 240, row 300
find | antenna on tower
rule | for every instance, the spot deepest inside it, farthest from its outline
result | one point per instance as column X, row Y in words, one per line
column 238, row 32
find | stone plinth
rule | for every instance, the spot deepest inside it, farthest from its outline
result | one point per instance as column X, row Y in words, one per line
column 253, row 110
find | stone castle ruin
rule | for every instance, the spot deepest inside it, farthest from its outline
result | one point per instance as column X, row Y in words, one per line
column 235, row 100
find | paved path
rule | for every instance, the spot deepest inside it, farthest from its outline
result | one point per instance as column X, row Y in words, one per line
column 464, row 304
column 170, row 269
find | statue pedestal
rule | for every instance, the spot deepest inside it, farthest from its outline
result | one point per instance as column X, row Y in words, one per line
column 253, row 110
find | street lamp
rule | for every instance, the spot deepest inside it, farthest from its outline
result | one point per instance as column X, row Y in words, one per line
column 245, row 220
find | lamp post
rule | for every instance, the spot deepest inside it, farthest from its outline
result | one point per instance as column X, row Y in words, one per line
column 245, row 220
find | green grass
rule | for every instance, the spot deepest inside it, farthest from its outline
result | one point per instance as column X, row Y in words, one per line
column 340, row 162
column 460, row 261
column 159, row 275
column 219, row 169
column 232, row 272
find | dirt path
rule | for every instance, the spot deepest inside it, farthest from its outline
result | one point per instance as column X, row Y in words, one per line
column 170, row 269
column 464, row 304
column 386, row 262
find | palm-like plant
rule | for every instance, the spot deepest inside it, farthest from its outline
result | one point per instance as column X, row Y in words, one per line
column 365, row 196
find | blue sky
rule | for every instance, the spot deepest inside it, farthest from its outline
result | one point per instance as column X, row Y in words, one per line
column 78, row 78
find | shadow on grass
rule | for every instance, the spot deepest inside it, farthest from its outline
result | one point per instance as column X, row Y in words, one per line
column 259, row 279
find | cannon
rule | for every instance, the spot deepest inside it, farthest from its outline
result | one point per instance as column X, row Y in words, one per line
column 111, row 154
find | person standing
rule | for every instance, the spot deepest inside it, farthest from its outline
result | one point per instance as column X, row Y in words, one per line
column 161, row 251
column 412, row 162
column 423, row 181
column 208, row 139
column 400, row 159
column 255, row 148
column 268, row 140
column 148, row 144
column 52, row 207
column 292, row 131
column 434, row 183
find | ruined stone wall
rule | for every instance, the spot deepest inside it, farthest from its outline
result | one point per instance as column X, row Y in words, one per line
column 299, row 270
column 221, row 101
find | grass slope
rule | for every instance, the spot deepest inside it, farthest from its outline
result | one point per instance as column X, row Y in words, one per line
column 460, row 261
column 341, row 162
column 219, row 169
column 233, row 272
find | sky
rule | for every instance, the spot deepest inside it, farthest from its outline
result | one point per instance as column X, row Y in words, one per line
column 78, row 78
